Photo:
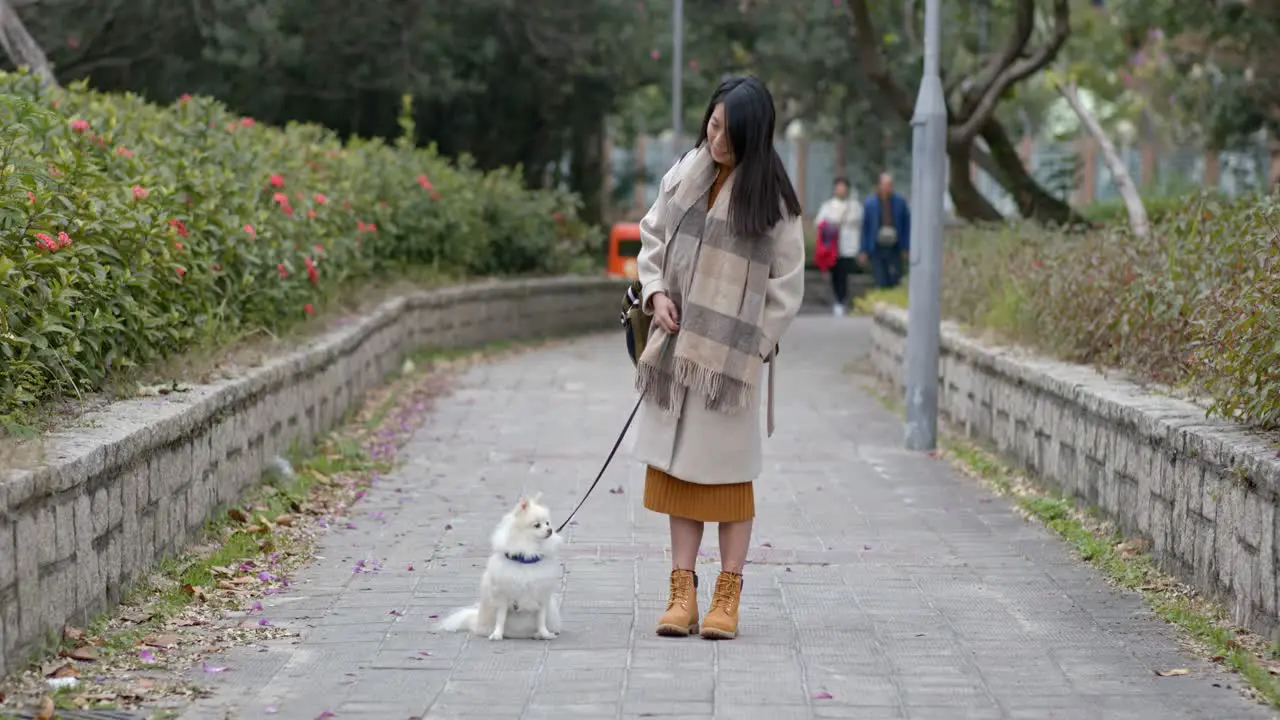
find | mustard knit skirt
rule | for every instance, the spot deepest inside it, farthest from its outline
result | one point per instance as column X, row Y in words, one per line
column 670, row 495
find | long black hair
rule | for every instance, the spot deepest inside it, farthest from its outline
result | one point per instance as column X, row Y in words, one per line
column 761, row 187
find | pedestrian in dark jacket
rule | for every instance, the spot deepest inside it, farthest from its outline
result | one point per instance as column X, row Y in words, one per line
column 886, row 234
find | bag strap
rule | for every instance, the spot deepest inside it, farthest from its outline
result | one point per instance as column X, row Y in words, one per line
column 616, row 444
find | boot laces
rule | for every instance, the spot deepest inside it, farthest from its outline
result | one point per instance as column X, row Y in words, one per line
column 680, row 586
column 725, row 587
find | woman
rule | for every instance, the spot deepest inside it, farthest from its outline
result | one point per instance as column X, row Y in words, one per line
column 722, row 270
column 842, row 216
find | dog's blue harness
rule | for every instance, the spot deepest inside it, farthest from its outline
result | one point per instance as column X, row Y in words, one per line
column 524, row 559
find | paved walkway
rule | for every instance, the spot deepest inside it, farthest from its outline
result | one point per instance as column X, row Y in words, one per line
column 881, row 585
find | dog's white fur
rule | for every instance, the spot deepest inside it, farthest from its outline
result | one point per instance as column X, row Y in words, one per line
column 517, row 600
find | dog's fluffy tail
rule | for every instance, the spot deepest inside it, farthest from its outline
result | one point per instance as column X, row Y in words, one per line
column 459, row 620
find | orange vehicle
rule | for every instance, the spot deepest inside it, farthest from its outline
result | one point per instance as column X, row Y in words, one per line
column 624, row 246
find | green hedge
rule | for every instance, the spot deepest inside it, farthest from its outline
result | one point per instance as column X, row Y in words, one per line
column 131, row 232
column 1195, row 306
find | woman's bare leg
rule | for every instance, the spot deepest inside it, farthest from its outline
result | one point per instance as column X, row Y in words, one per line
column 735, row 540
column 686, row 538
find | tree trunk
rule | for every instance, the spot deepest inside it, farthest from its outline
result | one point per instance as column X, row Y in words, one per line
column 1032, row 199
column 21, row 47
column 1124, row 183
column 586, row 167
column 971, row 204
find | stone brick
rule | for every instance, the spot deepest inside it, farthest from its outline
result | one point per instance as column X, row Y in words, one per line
column 8, row 556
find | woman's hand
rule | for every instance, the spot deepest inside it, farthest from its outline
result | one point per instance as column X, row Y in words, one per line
column 665, row 313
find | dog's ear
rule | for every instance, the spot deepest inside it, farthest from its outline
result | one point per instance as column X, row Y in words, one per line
column 524, row 504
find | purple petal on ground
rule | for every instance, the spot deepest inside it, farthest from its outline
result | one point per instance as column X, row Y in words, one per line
column 424, row 653
column 270, row 591
column 256, row 607
column 265, row 576
column 822, row 696
column 325, row 715
column 271, row 710
column 147, row 656
column 433, row 617
column 263, row 622
column 397, row 613
column 351, row 526
column 211, row 668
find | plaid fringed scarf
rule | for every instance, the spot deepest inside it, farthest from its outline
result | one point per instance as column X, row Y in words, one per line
column 718, row 282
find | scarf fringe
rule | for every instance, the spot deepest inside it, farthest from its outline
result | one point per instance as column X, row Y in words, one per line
column 669, row 387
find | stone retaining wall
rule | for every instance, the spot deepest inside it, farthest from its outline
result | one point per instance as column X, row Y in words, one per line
column 140, row 479
column 1202, row 491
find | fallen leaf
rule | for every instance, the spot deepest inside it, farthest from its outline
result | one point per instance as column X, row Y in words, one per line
column 238, row 515
column 83, row 654
column 267, row 546
column 1174, row 672
column 397, row 613
column 286, row 520
column 161, row 641
column 222, row 570
column 64, row 671
column 72, row 634
column 196, row 592
column 46, row 709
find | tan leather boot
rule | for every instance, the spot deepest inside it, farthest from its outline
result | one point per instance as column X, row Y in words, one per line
column 721, row 622
column 681, row 617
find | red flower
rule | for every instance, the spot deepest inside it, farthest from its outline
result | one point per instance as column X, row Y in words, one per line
column 318, row 248
column 140, row 192
column 288, row 210
column 308, row 309
column 373, row 228
column 321, row 199
column 178, row 227
column 360, row 226
column 284, row 272
column 249, row 229
column 280, row 198
column 63, row 239
column 31, row 197
column 122, row 150
column 184, row 98
column 558, row 217
column 45, row 242
column 80, row 126
column 425, row 183
column 312, row 274
column 435, row 195
column 216, row 267
column 247, row 122
column 182, row 272
column 311, row 214
column 177, row 246
column 277, row 181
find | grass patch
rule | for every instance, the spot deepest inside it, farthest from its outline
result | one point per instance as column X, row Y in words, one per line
column 1126, row 564
column 895, row 297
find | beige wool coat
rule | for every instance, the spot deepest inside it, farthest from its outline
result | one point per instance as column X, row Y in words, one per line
column 699, row 445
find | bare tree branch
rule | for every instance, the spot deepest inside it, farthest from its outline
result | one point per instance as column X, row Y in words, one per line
column 1124, row 183
column 867, row 47
column 1020, row 67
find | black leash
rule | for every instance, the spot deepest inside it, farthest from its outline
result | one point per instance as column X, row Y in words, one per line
column 616, row 444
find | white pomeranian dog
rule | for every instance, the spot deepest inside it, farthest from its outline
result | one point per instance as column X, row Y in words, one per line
column 518, row 597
